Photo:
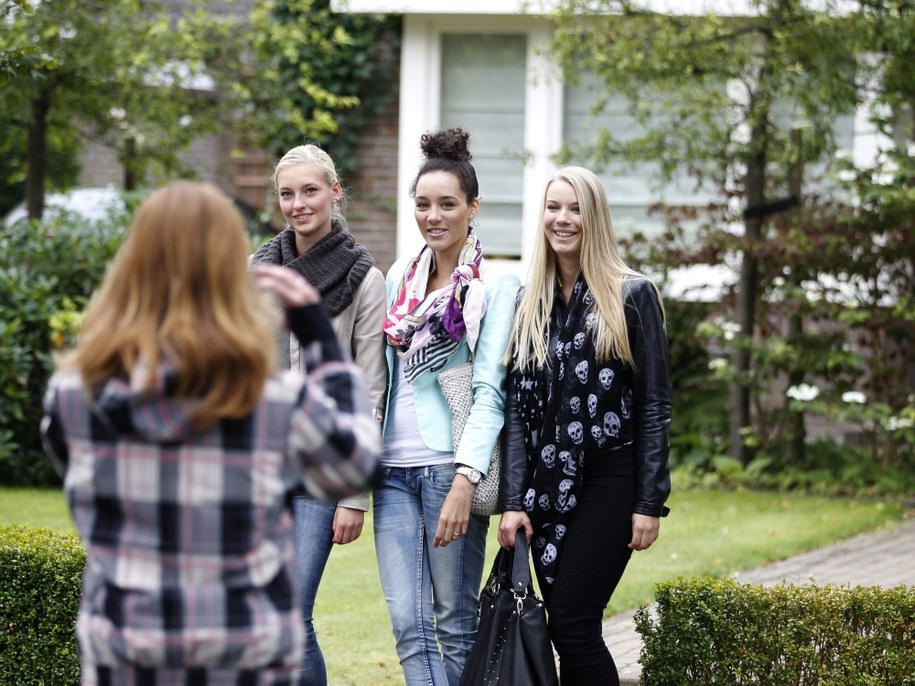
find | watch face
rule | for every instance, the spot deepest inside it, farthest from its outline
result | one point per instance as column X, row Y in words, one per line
column 473, row 475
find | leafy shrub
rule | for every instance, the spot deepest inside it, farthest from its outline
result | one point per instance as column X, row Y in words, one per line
column 48, row 271
column 715, row 632
column 40, row 580
column 328, row 90
column 700, row 427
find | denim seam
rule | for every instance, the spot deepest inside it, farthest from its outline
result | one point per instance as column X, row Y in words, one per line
column 418, row 600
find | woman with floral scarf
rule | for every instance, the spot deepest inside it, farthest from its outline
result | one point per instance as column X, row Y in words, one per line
column 445, row 307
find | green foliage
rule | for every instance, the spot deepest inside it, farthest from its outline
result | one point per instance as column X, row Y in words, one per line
column 699, row 397
column 829, row 469
column 697, row 85
column 40, row 578
column 721, row 632
column 745, row 106
column 63, row 169
column 48, row 271
column 123, row 72
column 316, row 76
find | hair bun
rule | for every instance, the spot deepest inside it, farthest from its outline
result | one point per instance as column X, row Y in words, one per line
column 450, row 144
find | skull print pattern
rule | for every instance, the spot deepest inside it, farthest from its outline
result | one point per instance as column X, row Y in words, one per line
column 577, row 406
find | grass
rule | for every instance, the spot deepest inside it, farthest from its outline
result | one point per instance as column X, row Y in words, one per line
column 709, row 533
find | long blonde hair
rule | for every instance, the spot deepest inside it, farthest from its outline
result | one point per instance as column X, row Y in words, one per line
column 179, row 289
column 602, row 267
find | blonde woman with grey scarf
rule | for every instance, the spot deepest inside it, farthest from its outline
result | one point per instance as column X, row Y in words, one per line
column 317, row 244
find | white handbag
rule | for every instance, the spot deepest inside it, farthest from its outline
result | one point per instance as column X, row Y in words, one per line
column 456, row 387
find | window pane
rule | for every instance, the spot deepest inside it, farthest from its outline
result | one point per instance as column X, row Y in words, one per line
column 483, row 92
column 631, row 188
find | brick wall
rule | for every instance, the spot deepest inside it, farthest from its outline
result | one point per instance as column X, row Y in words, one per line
column 371, row 192
column 372, row 206
column 99, row 167
column 245, row 174
column 251, row 183
column 208, row 158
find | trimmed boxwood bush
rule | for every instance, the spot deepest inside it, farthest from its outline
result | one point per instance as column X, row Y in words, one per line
column 719, row 632
column 40, row 581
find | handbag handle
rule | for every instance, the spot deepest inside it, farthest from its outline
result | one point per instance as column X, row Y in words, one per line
column 521, row 569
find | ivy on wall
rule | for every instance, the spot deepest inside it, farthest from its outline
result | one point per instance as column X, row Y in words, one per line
column 316, row 76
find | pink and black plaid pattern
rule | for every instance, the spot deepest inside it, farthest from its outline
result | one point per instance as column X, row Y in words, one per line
column 189, row 531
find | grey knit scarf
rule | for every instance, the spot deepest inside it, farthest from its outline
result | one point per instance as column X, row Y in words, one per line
column 335, row 265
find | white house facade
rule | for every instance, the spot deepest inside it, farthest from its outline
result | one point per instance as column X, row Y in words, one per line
column 481, row 65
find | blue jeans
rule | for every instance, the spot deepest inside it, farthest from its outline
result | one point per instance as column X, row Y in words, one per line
column 314, row 535
column 432, row 593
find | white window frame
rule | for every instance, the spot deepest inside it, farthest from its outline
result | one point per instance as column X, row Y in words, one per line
column 420, row 111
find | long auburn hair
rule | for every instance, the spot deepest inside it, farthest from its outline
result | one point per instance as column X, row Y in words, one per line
column 603, row 269
column 179, row 290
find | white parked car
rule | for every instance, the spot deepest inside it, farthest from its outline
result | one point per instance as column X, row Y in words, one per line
column 93, row 204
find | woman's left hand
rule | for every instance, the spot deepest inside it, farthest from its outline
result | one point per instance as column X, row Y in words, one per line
column 645, row 530
column 455, row 515
column 347, row 525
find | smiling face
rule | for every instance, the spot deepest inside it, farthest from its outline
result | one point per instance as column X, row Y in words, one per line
column 443, row 214
column 306, row 200
column 562, row 220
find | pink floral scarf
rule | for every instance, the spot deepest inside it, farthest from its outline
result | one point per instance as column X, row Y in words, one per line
column 426, row 328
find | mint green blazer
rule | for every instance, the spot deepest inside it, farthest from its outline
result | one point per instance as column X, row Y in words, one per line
column 489, row 374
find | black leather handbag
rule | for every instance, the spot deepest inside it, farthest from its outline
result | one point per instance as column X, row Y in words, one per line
column 512, row 645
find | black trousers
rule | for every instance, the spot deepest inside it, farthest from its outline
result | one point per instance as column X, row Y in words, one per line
column 592, row 562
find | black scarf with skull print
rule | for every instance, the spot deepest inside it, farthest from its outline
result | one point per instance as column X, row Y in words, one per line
column 575, row 407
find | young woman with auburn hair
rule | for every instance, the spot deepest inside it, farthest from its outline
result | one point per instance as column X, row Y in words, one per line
column 157, row 303
column 180, row 445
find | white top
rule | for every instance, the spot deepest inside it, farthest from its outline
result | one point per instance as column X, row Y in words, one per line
column 403, row 445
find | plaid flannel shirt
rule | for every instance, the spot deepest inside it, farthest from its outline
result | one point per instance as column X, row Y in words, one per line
column 188, row 532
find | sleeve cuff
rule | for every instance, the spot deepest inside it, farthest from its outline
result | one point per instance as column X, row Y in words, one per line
column 651, row 511
column 309, row 323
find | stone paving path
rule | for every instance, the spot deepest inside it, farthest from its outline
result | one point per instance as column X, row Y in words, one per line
column 883, row 558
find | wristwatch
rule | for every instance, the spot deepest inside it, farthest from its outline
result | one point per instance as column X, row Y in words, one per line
column 474, row 476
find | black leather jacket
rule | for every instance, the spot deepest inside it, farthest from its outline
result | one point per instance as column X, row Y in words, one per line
column 652, row 412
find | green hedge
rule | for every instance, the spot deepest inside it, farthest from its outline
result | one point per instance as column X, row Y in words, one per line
column 48, row 271
column 719, row 632
column 40, row 578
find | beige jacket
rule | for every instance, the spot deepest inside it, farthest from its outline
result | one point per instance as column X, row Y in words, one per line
column 358, row 328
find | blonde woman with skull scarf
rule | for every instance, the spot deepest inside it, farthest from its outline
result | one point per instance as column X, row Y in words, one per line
column 585, row 470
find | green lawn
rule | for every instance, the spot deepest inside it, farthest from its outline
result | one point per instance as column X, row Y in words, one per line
column 709, row 533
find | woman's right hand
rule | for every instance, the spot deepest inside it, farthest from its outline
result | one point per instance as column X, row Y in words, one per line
column 509, row 523
column 289, row 287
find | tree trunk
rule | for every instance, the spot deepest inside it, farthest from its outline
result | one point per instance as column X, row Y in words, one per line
column 754, row 191
column 797, row 444
column 36, row 154
column 129, row 163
